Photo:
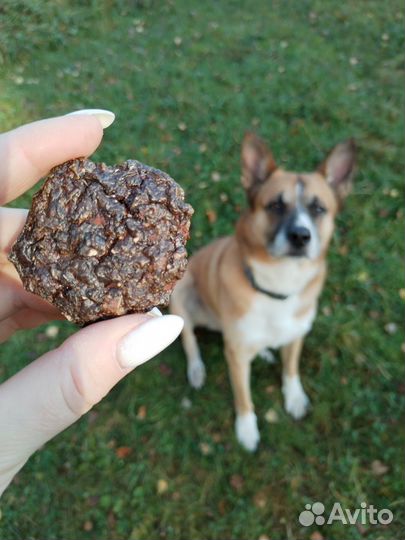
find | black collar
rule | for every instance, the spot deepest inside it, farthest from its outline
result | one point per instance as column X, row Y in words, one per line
column 251, row 279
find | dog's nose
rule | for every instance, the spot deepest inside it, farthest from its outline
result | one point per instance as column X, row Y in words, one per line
column 299, row 236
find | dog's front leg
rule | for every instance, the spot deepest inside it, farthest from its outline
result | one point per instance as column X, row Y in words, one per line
column 296, row 401
column 239, row 361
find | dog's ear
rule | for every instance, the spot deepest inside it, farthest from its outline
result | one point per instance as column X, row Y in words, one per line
column 339, row 168
column 257, row 163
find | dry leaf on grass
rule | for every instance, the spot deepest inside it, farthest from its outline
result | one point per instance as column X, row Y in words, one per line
column 162, row 486
column 211, row 216
column 237, row 482
column 271, row 416
column 123, row 451
column 141, row 414
column 88, row 525
column 378, row 468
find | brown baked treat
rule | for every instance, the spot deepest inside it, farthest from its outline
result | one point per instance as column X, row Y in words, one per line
column 104, row 241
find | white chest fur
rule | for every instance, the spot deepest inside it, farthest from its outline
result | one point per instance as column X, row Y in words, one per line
column 274, row 323
column 288, row 277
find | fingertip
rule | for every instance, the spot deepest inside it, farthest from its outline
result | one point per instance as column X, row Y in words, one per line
column 29, row 152
column 81, row 134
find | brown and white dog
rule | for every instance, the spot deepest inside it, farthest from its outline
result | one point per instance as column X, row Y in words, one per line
column 260, row 287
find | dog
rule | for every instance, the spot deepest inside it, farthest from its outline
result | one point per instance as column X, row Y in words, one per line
column 260, row 287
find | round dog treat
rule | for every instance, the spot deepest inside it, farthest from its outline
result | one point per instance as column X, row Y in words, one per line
column 104, row 241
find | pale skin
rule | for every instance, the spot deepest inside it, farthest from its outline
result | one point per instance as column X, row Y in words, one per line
column 55, row 390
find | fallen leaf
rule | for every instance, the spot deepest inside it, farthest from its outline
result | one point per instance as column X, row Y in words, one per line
column 222, row 507
column 111, row 520
column 362, row 276
column 182, row 126
column 362, row 530
column 326, row 310
column 215, row 176
column 205, row 448
column 123, row 451
column 217, row 437
column 186, row 403
column 391, row 328
column 360, row 359
column 88, row 525
column 162, row 486
column 211, row 215
column 295, row 482
column 237, row 481
column 378, row 468
column 141, row 414
column 260, row 500
column 271, row 416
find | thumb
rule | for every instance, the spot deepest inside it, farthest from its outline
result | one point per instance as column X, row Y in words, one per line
column 53, row 392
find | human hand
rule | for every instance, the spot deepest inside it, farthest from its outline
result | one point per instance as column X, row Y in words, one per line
column 53, row 392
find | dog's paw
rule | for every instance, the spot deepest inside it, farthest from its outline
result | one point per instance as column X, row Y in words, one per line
column 267, row 356
column 296, row 401
column 247, row 432
column 196, row 373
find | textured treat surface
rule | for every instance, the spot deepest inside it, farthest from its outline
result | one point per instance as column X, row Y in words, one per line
column 104, row 241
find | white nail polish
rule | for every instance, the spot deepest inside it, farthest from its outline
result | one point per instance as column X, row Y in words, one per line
column 148, row 339
column 106, row 117
column 155, row 311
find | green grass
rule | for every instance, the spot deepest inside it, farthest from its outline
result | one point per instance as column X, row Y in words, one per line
column 304, row 75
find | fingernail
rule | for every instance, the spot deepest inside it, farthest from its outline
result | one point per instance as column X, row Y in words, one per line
column 148, row 339
column 106, row 117
column 155, row 311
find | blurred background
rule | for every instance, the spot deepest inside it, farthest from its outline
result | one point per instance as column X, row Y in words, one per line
column 186, row 79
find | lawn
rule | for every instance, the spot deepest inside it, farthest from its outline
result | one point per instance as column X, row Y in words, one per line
column 156, row 459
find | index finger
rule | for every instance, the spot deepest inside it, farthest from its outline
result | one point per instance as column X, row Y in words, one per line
column 29, row 152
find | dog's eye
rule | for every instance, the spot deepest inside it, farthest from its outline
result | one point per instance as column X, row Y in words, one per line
column 277, row 207
column 316, row 209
